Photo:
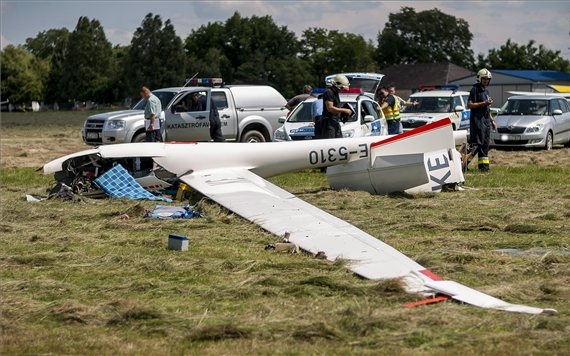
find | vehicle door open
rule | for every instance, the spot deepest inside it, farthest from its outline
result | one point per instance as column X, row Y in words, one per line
column 188, row 117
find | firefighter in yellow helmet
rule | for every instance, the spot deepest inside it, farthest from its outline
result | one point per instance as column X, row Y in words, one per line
column 481, row 121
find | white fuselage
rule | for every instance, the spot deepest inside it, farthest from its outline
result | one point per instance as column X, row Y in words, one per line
column 267, row 159
column 423, row 158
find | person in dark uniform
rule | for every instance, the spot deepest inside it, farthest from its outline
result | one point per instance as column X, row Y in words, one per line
column 481, row 121
column 215, row 123
column 331, row 108
column 199, row 103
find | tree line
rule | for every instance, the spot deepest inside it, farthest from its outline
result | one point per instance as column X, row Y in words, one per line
column 64, row 66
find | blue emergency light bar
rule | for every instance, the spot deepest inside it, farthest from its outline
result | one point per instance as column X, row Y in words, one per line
column 210, row 82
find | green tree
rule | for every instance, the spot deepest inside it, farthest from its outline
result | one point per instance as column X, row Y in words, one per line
column 22, row 75
column 119, row 86
column 51, row 47
column 251, row 50
column 529, row 56
column 47, row 43
column 87, row 66
column 213, row 64
column 155, row 57
column 328, row 52
column 429, row 36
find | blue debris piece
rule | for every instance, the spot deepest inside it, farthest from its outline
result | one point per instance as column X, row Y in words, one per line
column 118, row 183
column 165, row 212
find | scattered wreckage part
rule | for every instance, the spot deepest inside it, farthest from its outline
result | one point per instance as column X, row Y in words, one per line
column 34, row 198
column 283, row 247
column 64, row 192
column 427, row 301
column 178, row 242
column 236, row 178
column 166, row 212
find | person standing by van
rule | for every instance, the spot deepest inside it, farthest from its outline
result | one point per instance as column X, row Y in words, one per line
column 331, row 107
column 152, row 110
column 215, row 123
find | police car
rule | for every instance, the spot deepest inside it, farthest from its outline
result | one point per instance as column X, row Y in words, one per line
column 366, row 120
column 434, row 103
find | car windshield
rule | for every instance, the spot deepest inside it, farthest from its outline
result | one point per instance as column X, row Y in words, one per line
column 525, row 107
column 163, row 96
column 433, row 104
column 302, row 113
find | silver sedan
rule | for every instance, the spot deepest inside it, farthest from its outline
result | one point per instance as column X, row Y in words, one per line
column 539, row 121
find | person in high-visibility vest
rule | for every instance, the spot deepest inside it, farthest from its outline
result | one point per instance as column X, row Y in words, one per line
column 391, row 110
column 481, row 121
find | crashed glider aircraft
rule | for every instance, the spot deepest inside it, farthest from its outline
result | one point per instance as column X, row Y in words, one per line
column 232, row 174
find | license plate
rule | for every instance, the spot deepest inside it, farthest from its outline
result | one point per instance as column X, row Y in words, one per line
column 514, row 138
column 93, row 135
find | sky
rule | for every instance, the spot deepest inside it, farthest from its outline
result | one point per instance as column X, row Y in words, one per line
column 490, row 22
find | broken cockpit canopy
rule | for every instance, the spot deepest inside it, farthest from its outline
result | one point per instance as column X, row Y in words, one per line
column 81, row 172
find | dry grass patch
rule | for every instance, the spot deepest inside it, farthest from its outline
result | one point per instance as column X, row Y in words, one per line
column 76, row 279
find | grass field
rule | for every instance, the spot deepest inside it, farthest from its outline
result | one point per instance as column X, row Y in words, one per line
column 76, row 279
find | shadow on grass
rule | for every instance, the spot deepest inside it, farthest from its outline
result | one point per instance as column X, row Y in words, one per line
column 135, row 314
column 219, row 332
column 317, row 330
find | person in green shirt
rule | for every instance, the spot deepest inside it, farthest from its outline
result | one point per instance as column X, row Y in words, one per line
column 152, row 111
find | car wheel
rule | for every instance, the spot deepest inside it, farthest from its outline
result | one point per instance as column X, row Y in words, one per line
column 549, row 141
column 139, row 138
column 252, row 136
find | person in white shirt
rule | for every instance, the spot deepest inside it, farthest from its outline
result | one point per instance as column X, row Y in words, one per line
column 152, row 110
